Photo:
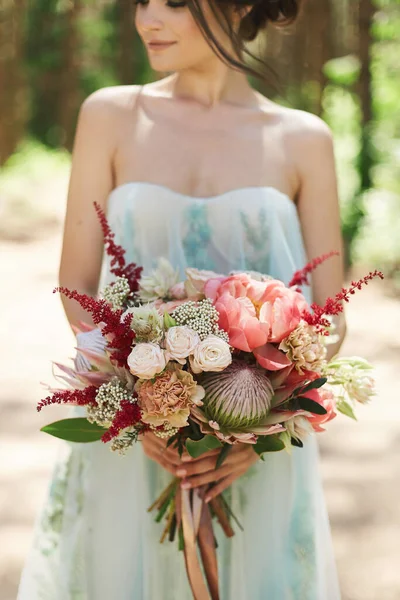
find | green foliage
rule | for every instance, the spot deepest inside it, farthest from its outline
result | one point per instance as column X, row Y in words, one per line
column 268, row 443
column 343, row 71
column 75, row 430
column 199, row 447
column 378, row 243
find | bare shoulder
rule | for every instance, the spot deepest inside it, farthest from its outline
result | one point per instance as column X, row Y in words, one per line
column 103, row 115
column 297, row 127
column 111, row 101
column 302, row 131
column 308, row 143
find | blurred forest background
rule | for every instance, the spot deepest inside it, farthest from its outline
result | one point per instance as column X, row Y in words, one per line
column 341, row 60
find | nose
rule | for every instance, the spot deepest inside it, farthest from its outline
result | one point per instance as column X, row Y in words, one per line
column 148, row 20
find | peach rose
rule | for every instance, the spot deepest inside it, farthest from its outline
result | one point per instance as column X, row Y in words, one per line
column 169, row 398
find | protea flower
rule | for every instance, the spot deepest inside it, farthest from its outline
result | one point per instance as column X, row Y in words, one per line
column 244, row 435
column 91, row 351
column 238, row 397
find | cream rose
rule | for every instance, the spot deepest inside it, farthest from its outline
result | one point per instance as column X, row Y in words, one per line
column 212, row 354
column 146, row 360
column 180, row 342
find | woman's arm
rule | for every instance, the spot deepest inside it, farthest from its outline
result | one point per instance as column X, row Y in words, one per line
column 311, row 147
column 90, row 180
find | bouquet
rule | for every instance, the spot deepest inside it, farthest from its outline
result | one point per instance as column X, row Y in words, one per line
column 205, row 363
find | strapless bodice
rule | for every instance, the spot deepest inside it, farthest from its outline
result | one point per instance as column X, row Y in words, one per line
column 252, row 228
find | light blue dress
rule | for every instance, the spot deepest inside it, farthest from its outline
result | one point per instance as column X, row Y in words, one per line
column 94, row 539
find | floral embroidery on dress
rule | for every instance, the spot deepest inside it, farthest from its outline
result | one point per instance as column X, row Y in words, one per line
column 257, row 238
column 303, row 550
column 197, row 239
column 62, row 513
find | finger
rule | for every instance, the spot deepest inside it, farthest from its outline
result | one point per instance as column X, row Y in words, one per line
column 171, row 452
column 197, row 467
column 188, row 458
column 214, row 475
column 203, row 461
column 162, row 462
column 208, row 463
column 222, row 485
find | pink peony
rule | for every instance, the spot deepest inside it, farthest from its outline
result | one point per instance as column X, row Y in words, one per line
column 326, row 398
column 256, row 313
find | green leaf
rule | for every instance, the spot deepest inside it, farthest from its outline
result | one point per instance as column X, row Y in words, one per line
column 317, row 383
column 181, row 540
column 285, row 437
column 169, row 321
column 193, row 431
column 296, row 442
column 172, row 440
column 197, row 448
column 268, row 443
column 346, row 409
column 223, row 454
column 75, row 430
column 311, row 406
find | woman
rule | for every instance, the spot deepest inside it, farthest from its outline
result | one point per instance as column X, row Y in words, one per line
column 203, row 170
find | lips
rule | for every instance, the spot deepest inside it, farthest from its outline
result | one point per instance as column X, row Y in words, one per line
column 160, row 45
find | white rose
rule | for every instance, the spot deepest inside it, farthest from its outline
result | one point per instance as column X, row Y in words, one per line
column 146, row 360
column 180, row 342
column 212, row 354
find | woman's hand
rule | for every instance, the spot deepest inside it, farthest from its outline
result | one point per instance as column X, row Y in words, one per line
column 156, row 449
column 200, row 471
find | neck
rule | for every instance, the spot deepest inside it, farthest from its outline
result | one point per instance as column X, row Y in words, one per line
column 212, row 85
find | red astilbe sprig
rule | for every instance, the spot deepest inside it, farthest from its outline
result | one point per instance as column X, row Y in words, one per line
column 118, row 265
column 334, row 306
column 119, row 332
column 129, row 415
column 85, row 397
column 301, row 276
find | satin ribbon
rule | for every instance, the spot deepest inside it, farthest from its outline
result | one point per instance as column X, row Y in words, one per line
column 195, row 516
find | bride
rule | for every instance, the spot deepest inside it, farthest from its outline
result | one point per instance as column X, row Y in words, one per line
column 203, row 170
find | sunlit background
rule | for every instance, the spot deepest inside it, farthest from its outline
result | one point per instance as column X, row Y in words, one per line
column 341, row 61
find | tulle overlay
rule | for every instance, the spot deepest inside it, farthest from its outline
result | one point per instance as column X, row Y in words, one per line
column 94, row 539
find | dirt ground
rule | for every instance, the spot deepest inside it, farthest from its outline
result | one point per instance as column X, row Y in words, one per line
column 359, row 461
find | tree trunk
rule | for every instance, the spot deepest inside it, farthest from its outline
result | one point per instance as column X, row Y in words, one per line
column 126, row 33
column 13, row 101
column 299, row 53
column 366, row 14
column 70, row 94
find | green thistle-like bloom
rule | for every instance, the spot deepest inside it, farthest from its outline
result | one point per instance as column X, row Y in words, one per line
column 147, row 323
column 240, row 396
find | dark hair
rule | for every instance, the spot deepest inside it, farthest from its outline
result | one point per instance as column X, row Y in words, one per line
column 262, row 12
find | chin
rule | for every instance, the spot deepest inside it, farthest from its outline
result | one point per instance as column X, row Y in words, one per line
column 164, row 66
